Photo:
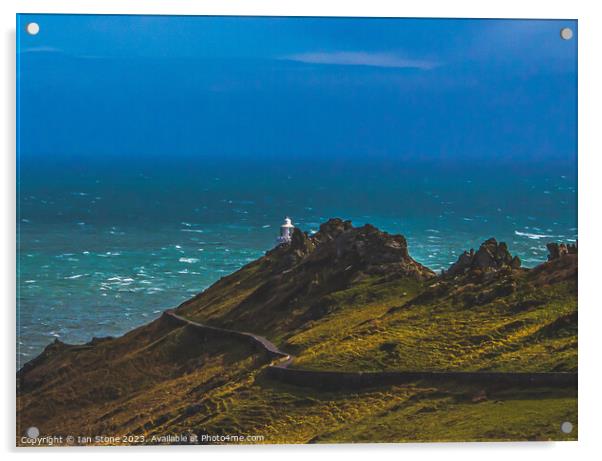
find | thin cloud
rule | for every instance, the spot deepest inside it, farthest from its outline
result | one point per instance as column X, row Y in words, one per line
column 360, row 58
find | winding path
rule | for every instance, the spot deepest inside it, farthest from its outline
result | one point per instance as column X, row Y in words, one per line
column 284, row 359
column 279, row 369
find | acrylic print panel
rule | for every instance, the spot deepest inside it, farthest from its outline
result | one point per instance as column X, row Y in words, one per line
column 295, row 230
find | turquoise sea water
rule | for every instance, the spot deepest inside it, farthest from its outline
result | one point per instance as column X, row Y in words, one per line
column 104, row 248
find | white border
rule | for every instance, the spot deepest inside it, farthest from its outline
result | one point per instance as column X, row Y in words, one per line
column 590, row 150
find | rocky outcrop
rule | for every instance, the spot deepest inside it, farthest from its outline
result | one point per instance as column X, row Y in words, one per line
column 558, row 250
column 367, row 249
column 287, row 255
column 331, row 229
column 561, row 265
column 490, row 257
column 339, row 247
column 301, row 244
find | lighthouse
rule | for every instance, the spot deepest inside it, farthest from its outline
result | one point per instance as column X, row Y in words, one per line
column 286, row 231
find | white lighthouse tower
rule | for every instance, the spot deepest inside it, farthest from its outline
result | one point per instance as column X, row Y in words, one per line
column 286, row 231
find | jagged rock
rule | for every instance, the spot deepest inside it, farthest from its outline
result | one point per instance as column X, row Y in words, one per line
column 301, row 243
column 367, row 249
column 371, row 245
column 331, row 229
column 558, row 250
column 465, row 259
column 339, row 247
column 490, row 257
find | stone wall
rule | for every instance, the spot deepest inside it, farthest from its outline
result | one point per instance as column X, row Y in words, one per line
column 333, row 380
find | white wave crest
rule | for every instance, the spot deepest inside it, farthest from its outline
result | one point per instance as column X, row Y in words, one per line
column 188, row 260
column 532, row 236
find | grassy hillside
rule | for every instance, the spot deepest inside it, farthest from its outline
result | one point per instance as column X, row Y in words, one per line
column 219, row 389
column 344, row 299
column 344, row 313
column 518, row 327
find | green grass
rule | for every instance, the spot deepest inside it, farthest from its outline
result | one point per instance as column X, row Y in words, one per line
column 496, row 322
column 409, row 413
column 444, row 419
column 444, row 333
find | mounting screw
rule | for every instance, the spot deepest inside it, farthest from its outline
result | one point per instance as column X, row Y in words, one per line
column 566, row 427
column 566, row 33
column 33, row 28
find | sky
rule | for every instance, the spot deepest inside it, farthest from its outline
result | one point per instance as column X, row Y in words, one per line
column 247, row 88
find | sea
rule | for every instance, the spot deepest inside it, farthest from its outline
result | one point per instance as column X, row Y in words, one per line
column 106, row 245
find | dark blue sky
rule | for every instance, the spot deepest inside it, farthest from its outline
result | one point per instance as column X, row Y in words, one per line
column 95, row 87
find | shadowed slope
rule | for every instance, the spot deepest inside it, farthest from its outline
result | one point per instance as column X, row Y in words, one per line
column 285, row 289
column 127, row 383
